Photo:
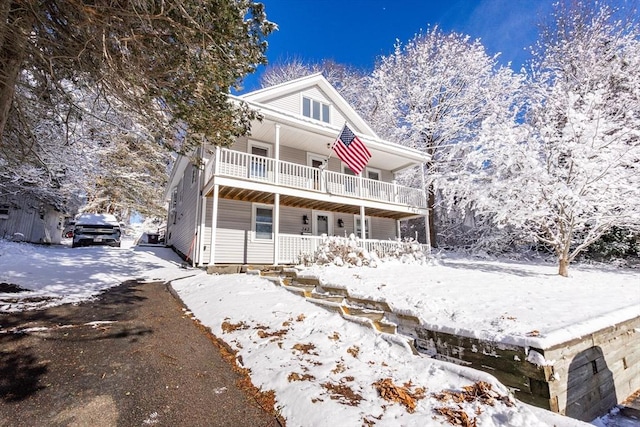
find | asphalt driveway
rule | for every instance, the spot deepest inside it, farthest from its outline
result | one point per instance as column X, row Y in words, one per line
column 132, row 357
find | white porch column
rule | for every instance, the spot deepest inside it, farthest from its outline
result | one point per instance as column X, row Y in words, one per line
column 200, row 229
column 216, row 161
column 277, row 155
column 363, row 225
column 201, row 220
column 276, row 201
column 214, row 224
column 276, row 229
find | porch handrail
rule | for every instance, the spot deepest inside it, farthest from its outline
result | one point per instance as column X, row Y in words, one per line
column 257, row 168
column 294, row 248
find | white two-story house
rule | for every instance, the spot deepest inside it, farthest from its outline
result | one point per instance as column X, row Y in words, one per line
column 273, row 195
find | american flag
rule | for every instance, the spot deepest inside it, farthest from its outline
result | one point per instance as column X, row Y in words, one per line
column 351, row 150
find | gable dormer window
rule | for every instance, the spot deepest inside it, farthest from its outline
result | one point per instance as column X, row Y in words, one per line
column 315, row 109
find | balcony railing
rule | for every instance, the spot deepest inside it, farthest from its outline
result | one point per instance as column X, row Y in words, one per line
column 237, row 164
column 294, row 249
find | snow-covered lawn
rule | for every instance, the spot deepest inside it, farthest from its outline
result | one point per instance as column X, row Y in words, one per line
column 328, row 371
column 503, row 301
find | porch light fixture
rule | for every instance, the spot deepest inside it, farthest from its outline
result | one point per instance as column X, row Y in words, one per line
column 340, row 223
column 305, row 219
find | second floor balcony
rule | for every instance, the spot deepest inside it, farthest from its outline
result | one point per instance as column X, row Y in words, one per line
column 249, row 168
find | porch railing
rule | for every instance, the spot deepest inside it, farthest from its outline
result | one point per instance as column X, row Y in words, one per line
column 262, row 169
column 295, row 248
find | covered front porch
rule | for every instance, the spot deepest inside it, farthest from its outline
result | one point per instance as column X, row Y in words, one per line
column 258, row 226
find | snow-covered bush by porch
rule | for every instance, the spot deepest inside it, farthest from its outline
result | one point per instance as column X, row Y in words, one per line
column 351, row 252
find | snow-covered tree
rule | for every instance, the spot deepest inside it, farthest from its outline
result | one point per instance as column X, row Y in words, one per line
column 432, row 94
column 571, row 172
column 172, row 61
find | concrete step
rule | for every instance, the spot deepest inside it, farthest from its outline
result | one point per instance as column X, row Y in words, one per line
column 334, row 290
column 296, row 290
column 295, row 284
column 373, row 305
column 373, row 315
column 307, row 281
column 274, row 279
column 326, row 297
column 386, row 327
column 327, row 305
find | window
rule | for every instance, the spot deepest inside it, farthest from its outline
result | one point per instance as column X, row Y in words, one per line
column 374, row 188
column 174, row 202
column 180, row 191
column 315, row 109
column 4, row 212
column 260, row 154
column 349, row 183
column 194, row 174
column 263, row 222
column 367, row 225
column 373, row 174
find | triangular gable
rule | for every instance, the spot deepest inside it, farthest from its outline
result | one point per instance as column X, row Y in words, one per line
column 317, row 86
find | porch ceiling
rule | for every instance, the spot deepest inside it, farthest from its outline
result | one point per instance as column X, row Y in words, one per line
column 255, row 196
column 318, row 139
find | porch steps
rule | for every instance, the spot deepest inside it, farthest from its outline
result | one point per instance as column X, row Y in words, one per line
column 371, row 313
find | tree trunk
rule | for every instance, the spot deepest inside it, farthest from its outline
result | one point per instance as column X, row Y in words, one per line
column 431, row 201
column 563, row 269
column 11, row 55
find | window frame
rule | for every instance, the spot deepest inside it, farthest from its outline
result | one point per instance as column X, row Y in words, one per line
column 374, row 170
column 323, row 109
column 194, row 174
column 254, row 223
column 367, row 224
column 257, row 170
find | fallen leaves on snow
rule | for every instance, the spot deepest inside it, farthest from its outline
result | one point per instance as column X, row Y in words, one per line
column 400, row 394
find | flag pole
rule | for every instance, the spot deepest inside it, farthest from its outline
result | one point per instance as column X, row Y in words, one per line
column 326, row 162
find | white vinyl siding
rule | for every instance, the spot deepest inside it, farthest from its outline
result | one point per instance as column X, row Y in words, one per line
column 290, row 103
column 291, row 220
column 181, row 228
column 382, row 228
column 206, row 232
column 234, row 244
column 234, row 220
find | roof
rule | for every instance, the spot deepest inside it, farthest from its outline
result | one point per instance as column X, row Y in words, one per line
column 265, row 95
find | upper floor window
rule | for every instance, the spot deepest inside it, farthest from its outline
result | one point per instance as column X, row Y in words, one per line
column 259, row 159
column 315, row 109
column 373, row 174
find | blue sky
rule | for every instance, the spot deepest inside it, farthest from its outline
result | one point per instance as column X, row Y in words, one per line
column 356, row 32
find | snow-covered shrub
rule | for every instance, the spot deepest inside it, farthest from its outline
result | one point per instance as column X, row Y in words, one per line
column 352, row 252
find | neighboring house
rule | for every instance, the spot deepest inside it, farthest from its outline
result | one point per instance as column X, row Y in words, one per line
column 30, row 220
column 273, row 195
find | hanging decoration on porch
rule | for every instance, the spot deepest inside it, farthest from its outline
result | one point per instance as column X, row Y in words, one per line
column 351, row 150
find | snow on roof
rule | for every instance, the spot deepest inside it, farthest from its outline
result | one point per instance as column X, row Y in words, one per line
column 96, row 219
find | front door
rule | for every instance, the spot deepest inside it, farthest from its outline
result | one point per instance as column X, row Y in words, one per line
column 316, row 162
column 322, row 223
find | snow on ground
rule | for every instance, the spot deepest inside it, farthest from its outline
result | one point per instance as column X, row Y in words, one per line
column 325, row 370
column 59, row 274
column 517, row 303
